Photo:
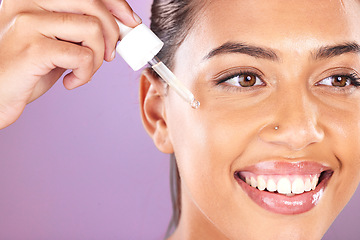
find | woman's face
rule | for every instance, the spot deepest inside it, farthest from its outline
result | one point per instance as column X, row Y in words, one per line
column 279, row 108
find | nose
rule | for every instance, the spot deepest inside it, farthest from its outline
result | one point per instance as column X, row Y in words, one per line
column 295, row 123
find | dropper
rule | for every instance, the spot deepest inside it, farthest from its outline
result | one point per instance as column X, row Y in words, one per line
column 139, row 46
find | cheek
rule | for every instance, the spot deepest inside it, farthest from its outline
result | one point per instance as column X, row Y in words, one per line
column 345, row 139
column 206, row 145
column 342, row 137
column 342, row 131
column 210, row 139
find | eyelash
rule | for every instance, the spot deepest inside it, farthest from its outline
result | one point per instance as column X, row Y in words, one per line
column 353, row 78
column 238, row 74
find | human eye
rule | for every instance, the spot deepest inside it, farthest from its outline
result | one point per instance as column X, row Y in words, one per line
column 340, row 81
column 241, row 79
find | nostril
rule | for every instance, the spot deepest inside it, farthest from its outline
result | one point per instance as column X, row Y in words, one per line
column 294, row 136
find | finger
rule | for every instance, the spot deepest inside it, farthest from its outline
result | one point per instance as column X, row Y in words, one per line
column 45, row 83
column 122, row 11
column 93, row 8
column 74, row 28
column 68, row 56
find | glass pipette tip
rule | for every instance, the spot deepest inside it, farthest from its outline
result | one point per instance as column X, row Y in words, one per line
column 165, row 73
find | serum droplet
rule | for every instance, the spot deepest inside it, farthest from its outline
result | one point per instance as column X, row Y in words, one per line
column 195, row 104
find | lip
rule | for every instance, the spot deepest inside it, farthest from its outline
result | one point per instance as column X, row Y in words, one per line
column 279, row 203
column 286, row 167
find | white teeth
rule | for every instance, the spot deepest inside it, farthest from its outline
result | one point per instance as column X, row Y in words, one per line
column 288, row 185
column 271, row 185
column 314, row 182
column 253, row 182
column 261, row 183
column 307, row 185
column 298, row 186
column 248, row 181
column 284, row 186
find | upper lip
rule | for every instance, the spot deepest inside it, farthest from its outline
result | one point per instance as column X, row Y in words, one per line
column 286, row 167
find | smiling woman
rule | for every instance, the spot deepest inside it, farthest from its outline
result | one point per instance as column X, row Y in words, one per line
column 272, row 153
column 275, row 140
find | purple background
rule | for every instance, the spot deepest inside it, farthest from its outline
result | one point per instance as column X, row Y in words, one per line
column 79, row 165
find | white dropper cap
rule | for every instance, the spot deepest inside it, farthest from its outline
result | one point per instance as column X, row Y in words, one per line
column 138, row 45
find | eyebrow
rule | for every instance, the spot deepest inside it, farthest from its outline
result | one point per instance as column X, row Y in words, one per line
column 336, row 50
column 234, row 47
column 269, row 54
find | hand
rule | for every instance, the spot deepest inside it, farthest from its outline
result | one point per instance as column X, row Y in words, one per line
column 40, row 39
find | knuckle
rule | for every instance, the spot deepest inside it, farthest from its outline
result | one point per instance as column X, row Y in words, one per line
column 64, row 18
column 22, row 20
column 94, row 24
column 65, row 49
column 86, row 56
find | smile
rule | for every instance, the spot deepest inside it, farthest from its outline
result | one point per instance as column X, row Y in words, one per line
column 283, row 184
column 285, row 187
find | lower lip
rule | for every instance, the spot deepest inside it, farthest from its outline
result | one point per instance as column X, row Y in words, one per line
column 282, row 204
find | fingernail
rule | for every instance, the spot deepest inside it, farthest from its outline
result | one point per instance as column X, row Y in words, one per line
column 137, row 18
column 113, row 55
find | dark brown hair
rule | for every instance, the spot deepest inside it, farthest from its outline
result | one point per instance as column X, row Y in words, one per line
column 171, row 21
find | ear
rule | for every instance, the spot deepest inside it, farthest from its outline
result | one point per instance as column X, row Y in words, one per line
column 152, row 106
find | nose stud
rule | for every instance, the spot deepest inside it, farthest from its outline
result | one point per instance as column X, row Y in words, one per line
column 277, row 127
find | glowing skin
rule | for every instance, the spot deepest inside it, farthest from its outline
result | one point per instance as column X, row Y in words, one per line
column 235, row 127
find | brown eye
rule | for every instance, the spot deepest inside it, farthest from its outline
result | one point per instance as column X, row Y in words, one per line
column 247, row 80
column 336, row 81
column 243, row 80
column 339, row 81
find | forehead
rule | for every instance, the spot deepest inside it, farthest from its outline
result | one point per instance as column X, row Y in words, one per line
column 282, row 16
column 284, row 25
